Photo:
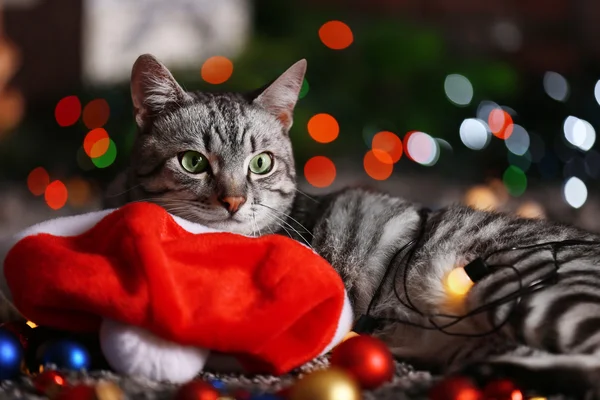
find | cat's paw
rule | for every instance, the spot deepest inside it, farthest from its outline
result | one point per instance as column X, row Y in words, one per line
column 552, row 375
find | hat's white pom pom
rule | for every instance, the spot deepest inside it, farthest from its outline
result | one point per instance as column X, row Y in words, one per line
column 136, row 352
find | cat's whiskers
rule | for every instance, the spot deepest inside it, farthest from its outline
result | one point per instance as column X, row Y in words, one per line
column 291, row 227
column 306, row 195
column 287, row 216
column 279, row 225
column 123, row 192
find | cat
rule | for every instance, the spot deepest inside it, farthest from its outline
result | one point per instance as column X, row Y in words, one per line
column 225, row 160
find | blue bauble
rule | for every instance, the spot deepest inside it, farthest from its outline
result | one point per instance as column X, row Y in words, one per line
column 265, row 396
column 219, row 385
column 11, row 355
column 67, row 354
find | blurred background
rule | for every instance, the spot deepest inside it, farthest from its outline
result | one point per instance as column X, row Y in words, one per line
column 491, row 103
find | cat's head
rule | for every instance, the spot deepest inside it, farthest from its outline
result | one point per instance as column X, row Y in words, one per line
column 221, row 159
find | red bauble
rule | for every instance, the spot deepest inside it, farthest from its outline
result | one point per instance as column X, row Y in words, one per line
column 367, row 359
column 502, row 389
column 455, row 388
column 241, row 394
column 77, row 392
column 21, row 330
column 197, row 390
column 49, row 383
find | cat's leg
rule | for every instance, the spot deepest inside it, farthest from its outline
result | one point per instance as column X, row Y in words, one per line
column 559, row 327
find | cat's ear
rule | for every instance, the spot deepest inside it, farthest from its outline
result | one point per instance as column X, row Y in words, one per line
column 280, row 97
column 153, row 88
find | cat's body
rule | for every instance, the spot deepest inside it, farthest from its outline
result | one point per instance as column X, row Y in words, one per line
column 225, row 160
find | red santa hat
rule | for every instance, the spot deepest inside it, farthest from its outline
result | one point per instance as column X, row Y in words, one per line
column 167, row 290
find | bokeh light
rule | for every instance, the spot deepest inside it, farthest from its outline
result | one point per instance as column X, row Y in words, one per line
column 80, row 192
column 474, row 133
column 575, row 192
column 67, row 111
column 531, row 210
column 378, row 164
column 592, row 164
column 481, row 198
column 458, row 89
column 56, row 195
column 556, row 86
column 485, row 108
column 109, row 157
column 579, row 133
column 84, row 161
column 216, row 70
column 597, row 92
column 515, row 181
column 522, row 161
column 388, row 143
column 336, row 35
column 319, row 171
column 37, row 181
column 323, row 128
column 507, row 36
column 518, row 141
column 92, row 138
column 96, row 113
column 500, row 123
column 421, row 148
column 303, row 89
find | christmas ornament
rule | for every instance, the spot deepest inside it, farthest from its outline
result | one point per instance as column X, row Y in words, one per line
column 66, row 354
column 106, row 390
column 350, row 335
column 49, row 383
column 266, row 396
column 241, row 394
column 219, row 385
column 21, row 330
column 197, row 390
column 328, row 384
column 11, row 355
column 455, row 388
column 367, row 359
column 148, row 338
column 502, row 389
column 77, row 392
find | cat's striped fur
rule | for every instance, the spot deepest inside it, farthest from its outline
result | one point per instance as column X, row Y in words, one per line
column 554, row 334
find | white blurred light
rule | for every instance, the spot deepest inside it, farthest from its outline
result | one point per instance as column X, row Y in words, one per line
column 597, row 92
column 458, row 89
column 556, row 86
column 474, row 133
column 423, row 149
column 485, row 108
column 575, row 192
column 507, row 36
column 518, row 141
column 579, row 132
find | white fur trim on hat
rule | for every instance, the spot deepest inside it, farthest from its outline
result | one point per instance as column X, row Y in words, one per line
column 345, row 323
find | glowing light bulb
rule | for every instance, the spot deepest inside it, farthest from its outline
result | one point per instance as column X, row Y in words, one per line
column 458, row 282
column 32, row 324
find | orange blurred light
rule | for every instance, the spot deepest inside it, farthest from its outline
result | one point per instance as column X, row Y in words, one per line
column 319, row 171
column 388, row 143
column 96, row 113
column 336, row 35
column 37, row 181
column 458, row 282
column 481, row 198
column 56, row 195
column 80, row 192
column 375, row 168
column 500, row 123
column 323, row 128
column 216, row 70
column 91, row 142
column 67, row 111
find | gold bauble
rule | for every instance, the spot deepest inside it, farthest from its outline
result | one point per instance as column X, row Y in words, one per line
column 106, row 390
column 327, row 384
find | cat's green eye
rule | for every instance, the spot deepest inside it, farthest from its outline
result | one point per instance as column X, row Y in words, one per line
column 261, row 163
column 193, row 162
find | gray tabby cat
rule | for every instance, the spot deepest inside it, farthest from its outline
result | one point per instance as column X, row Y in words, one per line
column 225, row 160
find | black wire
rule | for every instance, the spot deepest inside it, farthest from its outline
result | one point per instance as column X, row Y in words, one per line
column 513, row 297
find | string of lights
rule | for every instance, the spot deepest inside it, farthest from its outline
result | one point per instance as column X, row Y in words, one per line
column 470, row 274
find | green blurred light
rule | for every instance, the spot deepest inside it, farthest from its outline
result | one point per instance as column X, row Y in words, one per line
column 522, row 162
column 515, row 180
column 107, row 158
column 303, row 89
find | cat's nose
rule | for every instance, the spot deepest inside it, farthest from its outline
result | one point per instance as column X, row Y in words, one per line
column 232, row 203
